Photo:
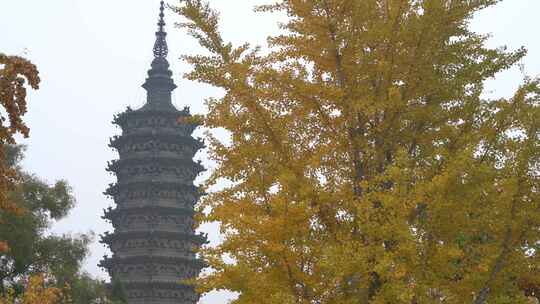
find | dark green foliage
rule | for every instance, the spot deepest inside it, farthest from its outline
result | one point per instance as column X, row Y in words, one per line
column 84, row 289
column 31, row 249
column 14, row 155
column 118, row 293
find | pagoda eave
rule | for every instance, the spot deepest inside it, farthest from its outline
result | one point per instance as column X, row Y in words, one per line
column 117, row 142
column 122, row 118
column 110, row 262
column 114, row 188
column 116, row 165
column 197, row 239
column 112, row 214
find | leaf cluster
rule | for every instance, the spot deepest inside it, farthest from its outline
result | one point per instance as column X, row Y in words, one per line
column 16, row 73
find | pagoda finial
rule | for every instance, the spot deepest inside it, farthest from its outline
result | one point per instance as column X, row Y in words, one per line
column 160, row 47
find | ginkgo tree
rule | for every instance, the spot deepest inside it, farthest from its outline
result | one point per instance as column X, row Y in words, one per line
column 366, row 165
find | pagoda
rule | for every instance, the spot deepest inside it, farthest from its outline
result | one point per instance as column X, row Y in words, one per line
column 154, row 239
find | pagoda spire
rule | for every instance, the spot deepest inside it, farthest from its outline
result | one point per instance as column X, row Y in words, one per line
column 159, row 84
column 160, row 47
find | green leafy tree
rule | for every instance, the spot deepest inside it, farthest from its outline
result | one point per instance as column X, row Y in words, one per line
column 83, row 288
column 365, row 165
column 117, row 292
column 35, row 267
column 33, row 251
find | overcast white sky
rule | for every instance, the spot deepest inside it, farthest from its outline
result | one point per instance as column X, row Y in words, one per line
column 93, row 56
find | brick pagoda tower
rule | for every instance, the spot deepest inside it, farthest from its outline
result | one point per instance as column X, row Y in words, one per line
column 153, row 240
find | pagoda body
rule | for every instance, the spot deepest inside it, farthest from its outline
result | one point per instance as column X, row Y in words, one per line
column 154, row 239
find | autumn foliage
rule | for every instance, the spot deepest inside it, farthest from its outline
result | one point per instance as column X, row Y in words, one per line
column 36, row 291
column 365, row 164
column 16, row 73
